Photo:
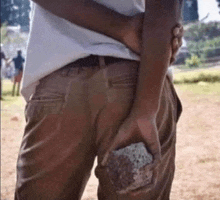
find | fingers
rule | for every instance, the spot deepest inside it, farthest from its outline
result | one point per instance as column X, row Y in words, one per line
column 177, row 34
column 155, row 150
column 175, row 46
column 178, row 31
column 176, row 41
column 119, row 141
column 149, row 133
column 135, row 131
column 172, row 60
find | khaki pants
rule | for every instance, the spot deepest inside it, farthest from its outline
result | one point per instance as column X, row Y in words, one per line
column 72, row 118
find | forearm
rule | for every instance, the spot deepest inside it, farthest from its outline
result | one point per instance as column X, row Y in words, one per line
column 90, row 15
column 160, row 17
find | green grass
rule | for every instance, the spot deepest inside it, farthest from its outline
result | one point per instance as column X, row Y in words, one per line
column 10, row 101
column 197, row 76
column 11, row 107
column 212, row 89
column 201, row 66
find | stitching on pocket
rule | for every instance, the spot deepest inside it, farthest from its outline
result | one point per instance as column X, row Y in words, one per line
column 124, row 81
column 36, row 110
column 46, row 99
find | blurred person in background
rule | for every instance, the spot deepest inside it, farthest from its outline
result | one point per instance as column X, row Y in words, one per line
column 2, row 58
column 18, row 64
column 8, row 70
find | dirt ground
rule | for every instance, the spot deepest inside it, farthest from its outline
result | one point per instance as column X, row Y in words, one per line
column 198, row 150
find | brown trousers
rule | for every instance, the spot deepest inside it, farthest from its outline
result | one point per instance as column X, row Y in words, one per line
column 72, row 117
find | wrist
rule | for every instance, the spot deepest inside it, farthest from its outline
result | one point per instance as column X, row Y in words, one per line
column 133, row 32
column 123, row 29
column 144, row 112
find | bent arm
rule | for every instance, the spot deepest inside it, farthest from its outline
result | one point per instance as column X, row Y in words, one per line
column 96, row 17
column 160, row 18
column 90, row 15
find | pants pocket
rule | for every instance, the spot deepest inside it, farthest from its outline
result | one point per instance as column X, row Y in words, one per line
column 177, row 102
column 121, row 79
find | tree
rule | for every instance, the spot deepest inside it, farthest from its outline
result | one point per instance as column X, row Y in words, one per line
column 203, row 39
column 218, row 4
column 190, row 11
column 22, row 14
column 202, row 31
column 7, row 11
column 15, row 12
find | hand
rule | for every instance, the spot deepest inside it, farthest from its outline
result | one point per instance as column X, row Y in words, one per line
column 137, row 129
column 176, row 42
column 133, row 36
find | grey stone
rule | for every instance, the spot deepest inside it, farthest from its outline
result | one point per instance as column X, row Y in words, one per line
column 126, row 167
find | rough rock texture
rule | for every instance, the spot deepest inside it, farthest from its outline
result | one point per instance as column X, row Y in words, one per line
column 126, row 167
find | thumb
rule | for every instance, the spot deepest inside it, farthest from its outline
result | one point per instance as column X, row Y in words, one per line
column 117, row 142
column 121, row 139
column 150, row 135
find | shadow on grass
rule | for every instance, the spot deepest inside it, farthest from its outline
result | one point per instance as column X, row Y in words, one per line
column 7, row 86
column 6, row 93
column 7, row 96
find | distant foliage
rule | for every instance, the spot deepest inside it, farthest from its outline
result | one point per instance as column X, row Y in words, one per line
column 15, row 12
column 218, row 4
column 11, row 38
column 193, row 62
column 190, row 11
column 205, row 49
column 195, row 77
column 202, row 31
column 211, row 48
column 203, row 40
column 12, row 41
column 3, row 32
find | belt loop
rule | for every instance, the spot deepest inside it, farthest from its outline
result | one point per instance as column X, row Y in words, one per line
column 101, row 62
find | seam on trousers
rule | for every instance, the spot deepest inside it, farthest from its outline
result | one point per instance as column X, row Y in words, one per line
column 67, row 93
column 95, row 123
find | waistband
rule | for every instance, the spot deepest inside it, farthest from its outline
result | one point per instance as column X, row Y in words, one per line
column 94, row 60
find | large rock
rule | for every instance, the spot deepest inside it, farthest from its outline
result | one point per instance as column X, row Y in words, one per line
column 126, row 167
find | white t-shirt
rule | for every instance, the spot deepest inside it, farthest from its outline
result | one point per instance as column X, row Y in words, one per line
column 55, row 42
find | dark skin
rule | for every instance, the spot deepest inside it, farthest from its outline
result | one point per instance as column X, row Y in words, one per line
column 157, row 33
column 157, row 52
column 101, row 19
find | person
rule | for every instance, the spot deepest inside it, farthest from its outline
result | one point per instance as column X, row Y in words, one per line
column 8, row 70
column 18, row 63
column 96, row 80
column 2, row 57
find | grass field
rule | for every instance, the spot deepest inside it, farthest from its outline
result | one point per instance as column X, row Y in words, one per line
column 8, row 99
column 210, row 76
column 198, row 151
